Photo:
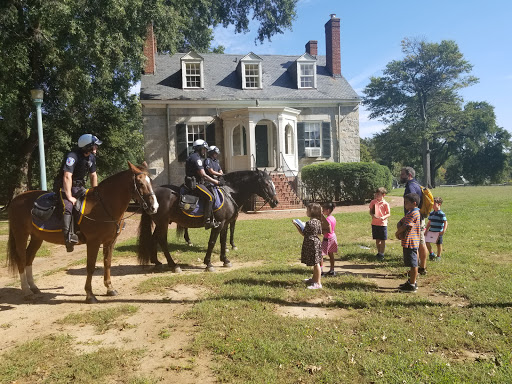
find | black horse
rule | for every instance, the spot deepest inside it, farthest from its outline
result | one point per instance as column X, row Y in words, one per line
column 240, row 186
column 186, row 235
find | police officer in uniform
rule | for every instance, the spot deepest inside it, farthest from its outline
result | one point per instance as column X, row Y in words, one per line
column 211, row 164
column 71, row 179
column 194, row 168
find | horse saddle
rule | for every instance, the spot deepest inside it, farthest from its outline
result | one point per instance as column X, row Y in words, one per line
column 193, row 206
column 46, row 218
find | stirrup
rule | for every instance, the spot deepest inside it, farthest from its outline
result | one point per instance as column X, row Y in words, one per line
column 72, row 238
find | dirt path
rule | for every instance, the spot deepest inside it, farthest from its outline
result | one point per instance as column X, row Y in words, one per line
column 166, row 358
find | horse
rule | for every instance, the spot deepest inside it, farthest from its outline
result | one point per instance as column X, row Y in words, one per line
column 240, row 186
column 100, row 225
column 186, row 236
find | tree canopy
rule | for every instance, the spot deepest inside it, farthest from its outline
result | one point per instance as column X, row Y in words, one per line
column 86, row 56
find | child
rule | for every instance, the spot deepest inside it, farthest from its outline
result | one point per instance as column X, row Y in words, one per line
column 379, row 211
column 409, row 232
column 311, row 253
column 330, row 242
column 436, row 223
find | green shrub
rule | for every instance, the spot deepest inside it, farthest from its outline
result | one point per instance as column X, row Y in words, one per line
column 345, row 182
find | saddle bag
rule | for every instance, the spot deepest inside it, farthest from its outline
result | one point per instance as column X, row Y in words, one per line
column 188, row 202
column 43, row 209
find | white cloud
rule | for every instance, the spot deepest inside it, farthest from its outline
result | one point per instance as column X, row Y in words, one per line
column 367, row 127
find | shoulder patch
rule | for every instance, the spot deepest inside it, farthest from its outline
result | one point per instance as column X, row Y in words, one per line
column 70, row 161
column 200, row 162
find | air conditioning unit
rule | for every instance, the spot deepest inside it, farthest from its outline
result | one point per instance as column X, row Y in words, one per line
column 313, row 152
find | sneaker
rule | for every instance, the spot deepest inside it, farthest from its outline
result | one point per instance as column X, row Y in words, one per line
column 406, row 283
column 432, row 256
column 422, row 271
column 330, row 273
column 408, row 287
column 438, row 258
column 315, row 286
column 379, row 256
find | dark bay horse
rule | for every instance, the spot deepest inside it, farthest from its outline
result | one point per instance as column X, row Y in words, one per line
column 101, row 223
column 240, row 186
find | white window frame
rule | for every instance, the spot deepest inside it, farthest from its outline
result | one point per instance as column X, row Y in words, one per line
column 289, row 140
column 302, row 77
column 192, row 59
column 195, row 132
column 242, row 149
column 308, row 129
column 257, row 76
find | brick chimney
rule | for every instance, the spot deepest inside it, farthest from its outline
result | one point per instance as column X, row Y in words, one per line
column 332, row 45
column 150, row 51
column 312, row 47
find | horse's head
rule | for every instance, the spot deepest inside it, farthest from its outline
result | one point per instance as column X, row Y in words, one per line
column 267, row 188
column 143, row 191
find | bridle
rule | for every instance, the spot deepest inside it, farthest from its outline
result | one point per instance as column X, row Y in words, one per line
column 267, row 197
column 142, row 201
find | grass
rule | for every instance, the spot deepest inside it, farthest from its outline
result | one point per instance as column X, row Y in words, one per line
column 376, row 337
column 103, row 319
column 389, row 337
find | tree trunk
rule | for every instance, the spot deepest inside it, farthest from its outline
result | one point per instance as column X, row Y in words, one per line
column 21, row 181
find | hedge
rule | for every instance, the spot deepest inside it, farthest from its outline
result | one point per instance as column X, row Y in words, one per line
column 344, row 182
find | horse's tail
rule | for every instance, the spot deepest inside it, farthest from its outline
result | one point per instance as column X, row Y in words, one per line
column 179, row 231
column 146, row 247
column 12, row 253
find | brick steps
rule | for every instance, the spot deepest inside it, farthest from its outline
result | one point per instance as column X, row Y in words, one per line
column 286, row 195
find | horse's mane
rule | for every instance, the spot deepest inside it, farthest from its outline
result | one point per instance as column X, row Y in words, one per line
column 240, row 176
column 113, row 177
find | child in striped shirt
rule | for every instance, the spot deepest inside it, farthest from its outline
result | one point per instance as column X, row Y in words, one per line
column 409, row 232
column 436, row 223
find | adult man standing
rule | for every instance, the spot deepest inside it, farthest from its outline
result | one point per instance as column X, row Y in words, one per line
column 407, row 176
column 194, row 169
column 71, row 180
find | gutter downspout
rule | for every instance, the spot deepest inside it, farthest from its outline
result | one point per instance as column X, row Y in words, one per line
column 338, row 133
column 167, row 160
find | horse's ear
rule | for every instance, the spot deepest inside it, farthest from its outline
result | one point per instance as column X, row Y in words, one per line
column 133, row 168
column 145, row 164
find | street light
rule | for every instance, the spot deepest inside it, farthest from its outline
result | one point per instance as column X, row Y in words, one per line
column 37, row 97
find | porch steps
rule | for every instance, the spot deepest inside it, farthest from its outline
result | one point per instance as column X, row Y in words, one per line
column 286, row 194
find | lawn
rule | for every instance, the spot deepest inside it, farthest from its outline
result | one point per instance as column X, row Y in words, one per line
column 463, row 334
column 382, row 337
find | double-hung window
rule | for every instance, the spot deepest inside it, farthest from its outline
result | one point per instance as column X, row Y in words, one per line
column 195, row 132
column 192, row 71
column 250, row 71
column 307, row 75
column 252, row 76
column 312, row 139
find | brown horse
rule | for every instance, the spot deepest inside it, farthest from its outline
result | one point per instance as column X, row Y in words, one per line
column 240, row 186
column 100, row 225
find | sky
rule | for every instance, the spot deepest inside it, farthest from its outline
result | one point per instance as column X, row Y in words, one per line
column 371, row 32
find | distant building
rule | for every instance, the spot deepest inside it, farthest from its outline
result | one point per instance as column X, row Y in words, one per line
column 271, row 112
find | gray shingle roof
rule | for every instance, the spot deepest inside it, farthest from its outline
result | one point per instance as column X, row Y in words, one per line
column 222, row 82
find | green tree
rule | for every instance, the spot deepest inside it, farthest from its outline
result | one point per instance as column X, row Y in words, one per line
column 86, row 56
column 367, row 151
column 417, row 88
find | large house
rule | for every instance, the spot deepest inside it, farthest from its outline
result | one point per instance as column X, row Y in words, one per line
column 272, row 112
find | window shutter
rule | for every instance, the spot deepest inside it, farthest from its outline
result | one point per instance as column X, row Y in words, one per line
column 181, row 142
column 301, row 145
column 326, row 140
column 210, row 134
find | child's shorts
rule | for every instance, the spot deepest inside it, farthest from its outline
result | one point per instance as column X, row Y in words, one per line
column 329, row 245
column 439, row 239
column 410, row 257
column 379, row 232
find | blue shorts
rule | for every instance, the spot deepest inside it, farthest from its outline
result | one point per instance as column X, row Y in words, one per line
column 379, row 232
column 410, row 257
column 439, row 239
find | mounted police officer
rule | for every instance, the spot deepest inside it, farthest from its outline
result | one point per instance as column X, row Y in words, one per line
column 194, row 170
column 71, row 179
column 211, row 164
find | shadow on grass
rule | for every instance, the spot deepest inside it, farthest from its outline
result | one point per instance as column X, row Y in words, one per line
column 173, row 247
column 125, row 270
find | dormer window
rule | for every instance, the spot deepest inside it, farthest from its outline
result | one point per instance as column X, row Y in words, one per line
column 251, row 71
column 192, row 71
column 306, row 71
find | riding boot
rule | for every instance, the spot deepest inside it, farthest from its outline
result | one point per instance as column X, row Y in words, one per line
column 209, row 221
column 69, row 237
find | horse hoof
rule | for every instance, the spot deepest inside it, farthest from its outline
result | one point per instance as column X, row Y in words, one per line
column 209, row 268
column 176, row 269
column 112, row 292
column 35, row 290
column 234, row 247
column 190, row 244
column 91, row 300
column 227, row 250
column 227, row 264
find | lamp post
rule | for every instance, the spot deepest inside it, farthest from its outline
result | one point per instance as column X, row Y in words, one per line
column 37, row 97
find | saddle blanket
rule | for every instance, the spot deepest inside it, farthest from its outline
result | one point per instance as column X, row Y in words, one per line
column 218, row 202
column 54, row 223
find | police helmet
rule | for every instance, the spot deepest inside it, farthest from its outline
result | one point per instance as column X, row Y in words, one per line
column 87, row 141
column 213, row 148
column 198, row 144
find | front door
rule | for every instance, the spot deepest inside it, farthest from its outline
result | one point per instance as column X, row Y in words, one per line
column 261, row 146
